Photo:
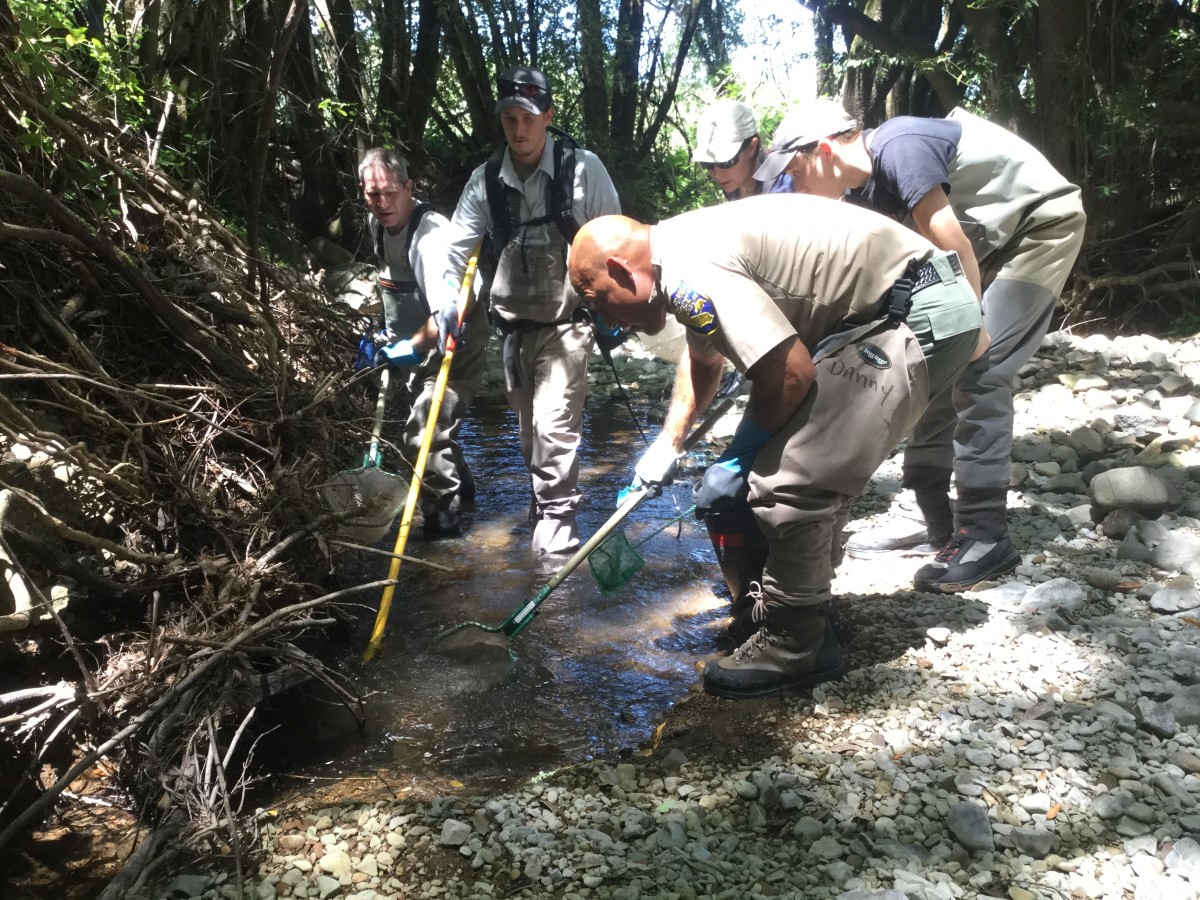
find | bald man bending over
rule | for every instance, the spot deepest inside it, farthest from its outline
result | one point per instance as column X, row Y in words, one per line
column 846, row 324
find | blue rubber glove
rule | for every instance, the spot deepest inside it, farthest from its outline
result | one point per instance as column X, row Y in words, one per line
column 400, row 353
column 721, row 489
column 725, row 483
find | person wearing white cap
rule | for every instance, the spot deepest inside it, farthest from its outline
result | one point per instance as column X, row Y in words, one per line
column 1017, row 225
column 542, row 187
column 729, row 149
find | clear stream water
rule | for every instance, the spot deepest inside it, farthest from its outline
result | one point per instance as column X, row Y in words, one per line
column 593, row 674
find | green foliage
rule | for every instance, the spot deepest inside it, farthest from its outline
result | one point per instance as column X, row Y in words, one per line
column 48, row 35
column 1186, row 325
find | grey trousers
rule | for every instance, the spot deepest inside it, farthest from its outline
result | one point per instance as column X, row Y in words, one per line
column 553, row 364
column 969, row 430
column 445, row 466
column 853, row 416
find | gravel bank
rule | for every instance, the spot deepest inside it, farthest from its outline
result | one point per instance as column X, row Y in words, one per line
column 1038, row 738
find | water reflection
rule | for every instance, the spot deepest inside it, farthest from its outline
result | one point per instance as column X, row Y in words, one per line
column 592, row 673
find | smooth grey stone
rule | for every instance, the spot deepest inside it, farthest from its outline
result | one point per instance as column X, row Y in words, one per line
column 1087, row 442
column 1184, row 859
column 969, row 824
column 808, row 829
column 454, row 833
column 1118, row 522
column 1031, row 451
column 1134, row 487
column 1186, row 760
column 861, row 893
column 1065, row 483
column 1112, row 805
column 1185, row 705
column 1177, row 595
column 827, row 848
column 1173, row 786
column 1156, row 718
column 1175, row 385
column 1126, row 721
column 1176, row 550
column 1132, row 548
column 1033, row 840
column 1058, row 593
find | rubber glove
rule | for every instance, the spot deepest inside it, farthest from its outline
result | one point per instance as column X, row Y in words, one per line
column 399, row 353
column 608, row 337
column 725, row 483
column 655, row 468
column 657, row 465
column 447, row 319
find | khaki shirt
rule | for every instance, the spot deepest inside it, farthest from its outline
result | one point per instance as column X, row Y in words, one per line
column 746, row 276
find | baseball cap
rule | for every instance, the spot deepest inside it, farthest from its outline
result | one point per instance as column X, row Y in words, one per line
column 721, row 130
column 803, row 126
column 524, row 87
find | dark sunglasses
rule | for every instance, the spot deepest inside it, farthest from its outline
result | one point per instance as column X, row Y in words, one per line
column 730, row 163
column 521, row 89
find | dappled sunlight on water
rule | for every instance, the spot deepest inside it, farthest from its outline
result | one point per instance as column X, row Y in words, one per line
column 591, row 674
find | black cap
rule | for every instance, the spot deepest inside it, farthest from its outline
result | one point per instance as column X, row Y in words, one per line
column 524, row 87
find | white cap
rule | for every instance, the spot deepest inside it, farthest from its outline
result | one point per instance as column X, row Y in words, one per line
column 802, row 126
column 721, row 130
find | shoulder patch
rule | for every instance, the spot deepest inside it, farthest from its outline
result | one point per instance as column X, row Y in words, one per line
column 873, row 356
column 693, row 309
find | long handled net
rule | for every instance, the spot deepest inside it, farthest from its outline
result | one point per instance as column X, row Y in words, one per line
column 616, row 561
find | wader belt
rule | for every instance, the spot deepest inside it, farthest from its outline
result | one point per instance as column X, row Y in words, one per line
column 894, row 307
column 513, row 329
column 406, row 287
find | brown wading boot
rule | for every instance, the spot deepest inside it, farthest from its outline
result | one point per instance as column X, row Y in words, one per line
column 794, row 650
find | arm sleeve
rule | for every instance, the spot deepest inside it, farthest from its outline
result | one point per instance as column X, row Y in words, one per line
column 749, row 323
column 427, row 256
column 599, row 195
column 911, row 165
column 471, row 222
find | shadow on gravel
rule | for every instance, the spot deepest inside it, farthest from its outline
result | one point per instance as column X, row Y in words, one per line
column 881, row 628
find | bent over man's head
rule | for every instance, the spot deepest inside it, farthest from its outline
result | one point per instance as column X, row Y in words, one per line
column 612, row 272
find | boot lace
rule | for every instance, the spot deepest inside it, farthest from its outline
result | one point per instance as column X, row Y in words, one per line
column 759, row 611
column 760, row 640
column 763, row 637
column 947, row 553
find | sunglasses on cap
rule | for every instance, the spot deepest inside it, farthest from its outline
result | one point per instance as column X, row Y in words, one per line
column 729, row 163
column 522, row 89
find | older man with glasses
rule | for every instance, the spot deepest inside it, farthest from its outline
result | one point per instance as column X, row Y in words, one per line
column 729, row 149
column 548, row 339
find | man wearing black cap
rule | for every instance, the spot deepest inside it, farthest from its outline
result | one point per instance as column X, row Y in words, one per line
column 547, row 338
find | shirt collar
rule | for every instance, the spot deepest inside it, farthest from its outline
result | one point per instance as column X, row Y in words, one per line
column 545, row 164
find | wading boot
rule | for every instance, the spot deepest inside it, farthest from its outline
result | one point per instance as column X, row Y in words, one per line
column 980, row 547
column 795, row 649
column 466, row 489
column 966, row 561
column 741, row 552
column 442, row 523
column 919, row 523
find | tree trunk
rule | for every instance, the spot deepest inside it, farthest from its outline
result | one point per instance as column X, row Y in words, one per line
column 590, row 27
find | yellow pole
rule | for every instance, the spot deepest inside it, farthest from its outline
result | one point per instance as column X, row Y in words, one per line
column 414, row 489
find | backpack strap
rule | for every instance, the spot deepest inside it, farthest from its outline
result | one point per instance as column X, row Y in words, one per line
column 377, row 238
column 562, row 187
column 497, row 200
column 559, row 205
column 414, row 220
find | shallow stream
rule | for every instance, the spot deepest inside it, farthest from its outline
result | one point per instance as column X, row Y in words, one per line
column 593, row 673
